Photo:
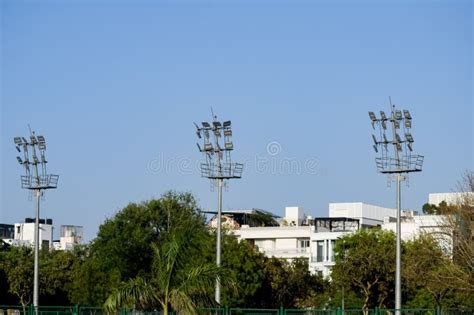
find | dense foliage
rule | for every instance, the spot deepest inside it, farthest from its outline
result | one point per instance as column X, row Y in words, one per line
column 160, row 253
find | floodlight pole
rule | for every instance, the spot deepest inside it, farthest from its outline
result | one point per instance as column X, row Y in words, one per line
column 35, row 182
column 218, row 171
column 397, row 165
column 219, row 236
column 398, row 264
column 36, row 240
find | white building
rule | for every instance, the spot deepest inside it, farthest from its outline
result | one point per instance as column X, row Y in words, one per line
column 300, row 236
column 25, row 233
column 414, row 226
column 289, row 240
column 70, row 236
column 344, row 218
column 450, row 198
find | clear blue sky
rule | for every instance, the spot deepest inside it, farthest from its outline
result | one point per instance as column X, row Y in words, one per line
column 116, row 85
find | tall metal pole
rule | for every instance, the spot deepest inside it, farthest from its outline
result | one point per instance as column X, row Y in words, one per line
column 218, row 171
column 397, row 165
column 398, row 281
column 38, row 181
column 37, row 241
column 218, row 246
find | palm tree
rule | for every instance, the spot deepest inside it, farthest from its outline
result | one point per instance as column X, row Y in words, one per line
column 176, row 279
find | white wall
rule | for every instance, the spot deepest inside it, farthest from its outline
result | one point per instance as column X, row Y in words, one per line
column 367, row 214
column 25, row 233
column 449, row 198
column 294, row 214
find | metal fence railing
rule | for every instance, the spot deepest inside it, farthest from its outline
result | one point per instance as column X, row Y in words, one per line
column 86, row 310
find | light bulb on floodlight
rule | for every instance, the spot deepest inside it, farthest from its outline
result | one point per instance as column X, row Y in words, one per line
column 407, row 114
column 408, row 123
column 228, row 133
column 409, row 137
column 41, row 139
column 372, row 116
column 17, row 140
column 397, row 137
column 227, row 123
column 205, row 124
column 229, row 145
column 398, row 114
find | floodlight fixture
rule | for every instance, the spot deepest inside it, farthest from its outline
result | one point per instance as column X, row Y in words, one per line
column 218, row 167
column 407, row 115
column 408, row 123
column 38, row 180
column 397, row 137
column 372, row 116
column 400, row 161
column 398, row 114
column 229, row 146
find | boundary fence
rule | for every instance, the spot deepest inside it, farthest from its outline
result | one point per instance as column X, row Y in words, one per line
column 87, row 310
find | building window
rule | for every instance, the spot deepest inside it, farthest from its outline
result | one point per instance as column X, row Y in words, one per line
column 304, row 243
column 333, row 245
column 319, row 251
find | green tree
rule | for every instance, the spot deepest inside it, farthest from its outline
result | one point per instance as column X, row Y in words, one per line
column 18, row 268
column 177, row 279
column 366, row 265
column 246, row 267
column 123, row 249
